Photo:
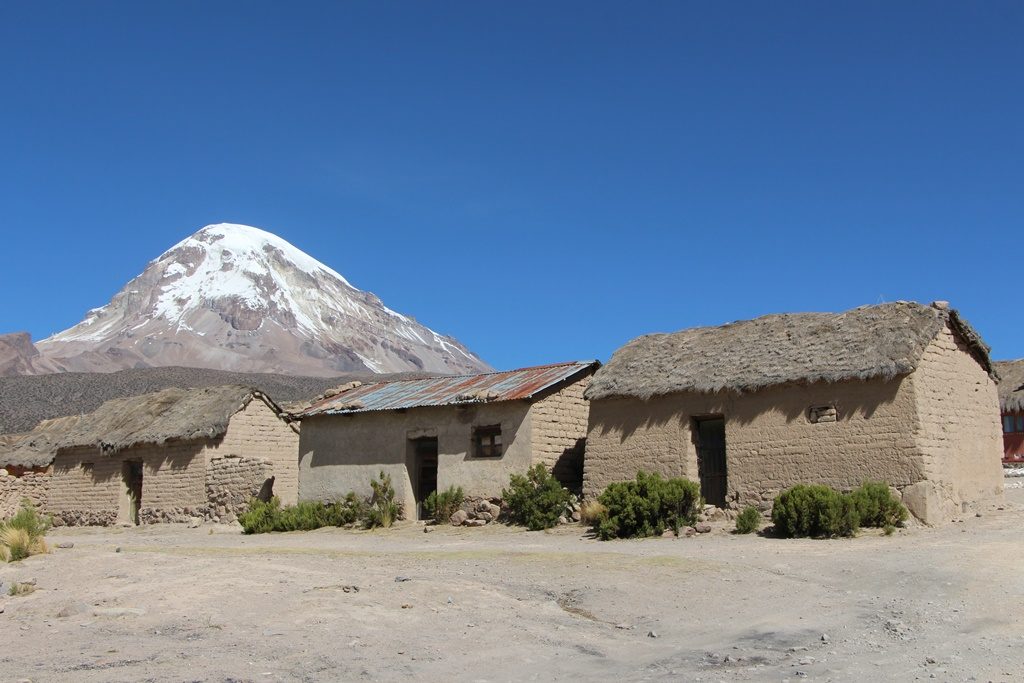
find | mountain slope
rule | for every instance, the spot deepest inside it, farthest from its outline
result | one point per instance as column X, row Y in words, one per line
column 234, row 297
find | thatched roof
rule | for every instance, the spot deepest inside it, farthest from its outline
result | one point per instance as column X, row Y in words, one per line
column 1011, row 384
column 168, row 415
column 885, row 341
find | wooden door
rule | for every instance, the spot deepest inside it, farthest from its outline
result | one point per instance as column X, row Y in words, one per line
column 711, row 460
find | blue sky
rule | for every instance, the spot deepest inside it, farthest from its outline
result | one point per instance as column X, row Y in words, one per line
column 542, row 180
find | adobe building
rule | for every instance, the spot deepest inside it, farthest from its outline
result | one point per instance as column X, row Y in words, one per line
column 166, row 456
column 1011, row 407
column 902, row 393
column 471, row 431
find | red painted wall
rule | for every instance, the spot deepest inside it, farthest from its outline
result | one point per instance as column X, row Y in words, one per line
column 1013, row 445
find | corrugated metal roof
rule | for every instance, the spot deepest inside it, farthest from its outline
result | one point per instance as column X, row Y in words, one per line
column 492, row 387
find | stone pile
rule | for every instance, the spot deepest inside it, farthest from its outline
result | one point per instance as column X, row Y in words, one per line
column 477, row 512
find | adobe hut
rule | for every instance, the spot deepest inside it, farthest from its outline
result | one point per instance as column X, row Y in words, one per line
column 428, row 434
column 902, row 392
column 166, row 456
column 1011, row 408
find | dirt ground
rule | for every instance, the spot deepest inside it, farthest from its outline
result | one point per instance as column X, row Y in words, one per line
column 169, row 603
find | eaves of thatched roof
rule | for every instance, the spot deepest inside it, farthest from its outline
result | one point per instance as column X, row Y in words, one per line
column 169, row 415
column 883, row 341
column 1011, row 384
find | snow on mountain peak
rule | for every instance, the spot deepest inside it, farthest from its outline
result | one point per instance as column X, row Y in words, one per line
column 248, row 292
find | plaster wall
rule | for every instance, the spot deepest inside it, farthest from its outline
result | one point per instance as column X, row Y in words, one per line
column 342, row 453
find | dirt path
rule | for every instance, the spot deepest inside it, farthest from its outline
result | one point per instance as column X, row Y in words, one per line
column 497, row 604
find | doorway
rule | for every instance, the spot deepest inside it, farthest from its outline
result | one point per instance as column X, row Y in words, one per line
column 131, row 475
column 711, row 465
column 424, row 470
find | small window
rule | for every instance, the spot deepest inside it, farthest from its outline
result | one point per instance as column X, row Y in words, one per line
column 1020, row 423
column 487, row 441
column 822, row 414
column 1008, row 424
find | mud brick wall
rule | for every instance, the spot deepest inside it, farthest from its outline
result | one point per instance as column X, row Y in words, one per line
column 258, row 433
column 958, row 431
column 771, row 440
column 34, row 486
column 560, row 432
column 88, row 488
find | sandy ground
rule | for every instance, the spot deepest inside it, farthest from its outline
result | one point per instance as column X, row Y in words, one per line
column 497, row 603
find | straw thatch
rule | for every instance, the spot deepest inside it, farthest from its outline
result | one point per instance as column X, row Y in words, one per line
column 1011, row 384
column 168, row 415
column 884, row 341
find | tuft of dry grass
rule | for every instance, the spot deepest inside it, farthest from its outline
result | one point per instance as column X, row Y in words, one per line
column 19, row 589
column 22, row 535
column 592, row 512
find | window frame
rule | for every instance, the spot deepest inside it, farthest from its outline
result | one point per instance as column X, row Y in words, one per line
column 487, row 439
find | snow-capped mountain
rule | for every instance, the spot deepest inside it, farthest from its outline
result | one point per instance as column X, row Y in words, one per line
column 235, row 297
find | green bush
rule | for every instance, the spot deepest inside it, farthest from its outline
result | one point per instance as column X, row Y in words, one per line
column 383, row 511
column 537, row 500
column 877, row 506
column 263, row 517
column 441, row 506
column 814, row 510
column 748, row 521
column 647, row 506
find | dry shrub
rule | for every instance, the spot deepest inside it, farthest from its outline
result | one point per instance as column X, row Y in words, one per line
column 22, row 535
column 21, row 589
column 592, row 512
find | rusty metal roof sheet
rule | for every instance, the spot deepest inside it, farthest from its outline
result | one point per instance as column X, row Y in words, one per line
column 492, row 387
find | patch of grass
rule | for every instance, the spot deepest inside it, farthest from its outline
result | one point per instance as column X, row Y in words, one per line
column 592, row 513
column 440, row 506
column 18, row 589
column 647, row 506
column 748, row 521
column 537, row 500
column 22, row 535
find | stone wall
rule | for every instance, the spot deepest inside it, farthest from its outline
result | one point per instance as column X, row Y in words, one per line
column 257, row 432
column 232, row 482
column 342, row 453
column 559, row 423
column 958, row 431
column 34, row 486
column 771, row 442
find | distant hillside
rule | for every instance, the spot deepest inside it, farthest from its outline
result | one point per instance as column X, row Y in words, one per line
column 25, row 400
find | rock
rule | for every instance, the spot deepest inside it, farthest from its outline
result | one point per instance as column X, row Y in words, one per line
column 459, row 517
column 71, row 608
column 483, row 506
column 428, row 529
column 825, row 638
column 652, row 634
column 495, row 510
column 402, row 579
column 117, row 549
column 562, row 520
column 194, row 522
column 474, row 522
column 65, row 545
column 624, row 626
column 702, row 528
column 576, row 516
column 668, row 533
column 486, row 516
column 687, row 531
